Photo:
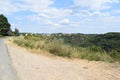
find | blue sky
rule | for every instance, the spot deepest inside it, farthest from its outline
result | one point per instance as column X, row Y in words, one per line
column 66, row 16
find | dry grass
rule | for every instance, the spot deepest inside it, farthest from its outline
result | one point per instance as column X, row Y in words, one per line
column 59, row 48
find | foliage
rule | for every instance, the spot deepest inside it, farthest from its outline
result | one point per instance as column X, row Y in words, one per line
column 16, row 32
column 108, row 41
column 60, row 48
column 72, row 39
column 4, row 26
column 5, row 29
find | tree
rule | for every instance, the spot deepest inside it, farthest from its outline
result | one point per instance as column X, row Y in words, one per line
column 108, row 41
column 16, row 32
column 4, row 26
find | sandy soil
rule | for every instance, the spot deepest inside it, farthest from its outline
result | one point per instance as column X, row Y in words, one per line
column 39, row 67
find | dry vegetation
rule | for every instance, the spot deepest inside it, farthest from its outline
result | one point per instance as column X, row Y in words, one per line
column 59, row 48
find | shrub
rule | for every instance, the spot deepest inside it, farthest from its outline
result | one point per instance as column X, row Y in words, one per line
column 57, row 47
column 96, row 57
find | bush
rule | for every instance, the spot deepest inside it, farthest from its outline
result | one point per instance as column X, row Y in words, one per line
column 57, row 47
column 115, row 55
column 96, row 57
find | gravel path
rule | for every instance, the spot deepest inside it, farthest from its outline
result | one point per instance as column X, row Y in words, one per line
column 39, row 67
column 6, row 70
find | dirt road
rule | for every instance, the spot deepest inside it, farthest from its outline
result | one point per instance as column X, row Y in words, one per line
column 6, row 70
column 39, row 67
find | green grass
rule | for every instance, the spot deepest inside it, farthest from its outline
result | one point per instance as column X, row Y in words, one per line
column 1, row 36
column 59, row 48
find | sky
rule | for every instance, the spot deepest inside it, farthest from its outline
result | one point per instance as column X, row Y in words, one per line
column 62, row 16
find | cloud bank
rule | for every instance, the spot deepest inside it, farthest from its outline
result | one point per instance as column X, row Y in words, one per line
column 92, row 14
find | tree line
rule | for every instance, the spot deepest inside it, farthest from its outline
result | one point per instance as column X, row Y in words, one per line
column 108, row 42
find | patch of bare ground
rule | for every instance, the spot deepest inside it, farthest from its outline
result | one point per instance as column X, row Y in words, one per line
column 39, row 67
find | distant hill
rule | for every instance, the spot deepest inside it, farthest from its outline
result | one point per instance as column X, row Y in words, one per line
column 108, row 41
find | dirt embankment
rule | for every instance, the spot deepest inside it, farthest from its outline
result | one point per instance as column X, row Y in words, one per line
column 39, row 67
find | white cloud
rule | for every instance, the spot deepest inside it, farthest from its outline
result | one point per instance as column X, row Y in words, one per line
column 86, row 13
column 7, row 7
column 57, row 13
column 64, row 21
column 95, row 4
column 43, row 15
column 10, row 6
column 41, row 19
column 98, row 13
column 41, row 7
column 36, row 5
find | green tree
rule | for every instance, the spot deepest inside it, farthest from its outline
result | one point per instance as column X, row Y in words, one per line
column 16, row 32
column 4, row 26
column 108, row 41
